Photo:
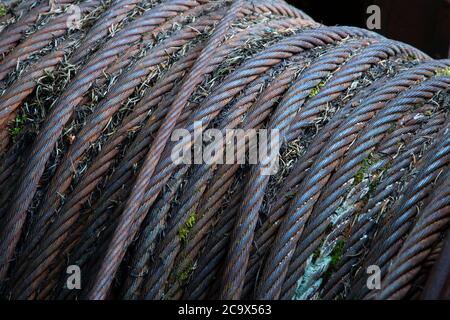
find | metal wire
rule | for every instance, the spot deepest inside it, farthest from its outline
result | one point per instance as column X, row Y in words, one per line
column 363, row 122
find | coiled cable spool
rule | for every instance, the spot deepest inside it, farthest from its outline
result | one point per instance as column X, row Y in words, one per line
column 87, row 178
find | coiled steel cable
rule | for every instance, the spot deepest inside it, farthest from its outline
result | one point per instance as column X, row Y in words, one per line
column 437, row 285
column 401, row 217
column 418, row 245
column 41, row 38
column 189, row 204
column 124, row 233
column 114, row 15
column 318, row 224
column 303, row 193
column 20, row 89
column 259, row 7
column 266, row 233
column 111, row 104
column 342, row 81
column 14, row 32
column 233, row 84
column 365, row 226
column 118, row 93
column 57, row 228
column 98, row 187
column 168, row 159
column 282, row 119
column 211, row 194
column 219, row 190
column 62, row 112
column 223, row 179
column 143, row 143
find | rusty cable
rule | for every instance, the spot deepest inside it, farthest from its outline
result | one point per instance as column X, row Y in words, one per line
column 89, row 180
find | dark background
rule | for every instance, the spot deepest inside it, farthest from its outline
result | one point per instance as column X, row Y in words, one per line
column 424, row 24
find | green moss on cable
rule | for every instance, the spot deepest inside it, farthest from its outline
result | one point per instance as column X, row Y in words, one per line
column 428, row 113
column 184, row 274
column 3, row 10
column 443, row 72
column 17, row 126
column 315, row 91
column 336, row 256
column 359, row 176
column 184, row 231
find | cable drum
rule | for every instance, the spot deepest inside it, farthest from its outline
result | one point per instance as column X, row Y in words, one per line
column 88, row 116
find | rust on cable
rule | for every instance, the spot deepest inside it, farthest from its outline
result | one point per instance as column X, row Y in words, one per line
column 93, row 92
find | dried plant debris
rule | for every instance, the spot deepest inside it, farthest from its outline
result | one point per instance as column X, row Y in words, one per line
column 87, row 130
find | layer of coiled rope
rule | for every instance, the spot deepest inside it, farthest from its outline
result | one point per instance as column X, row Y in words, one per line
column 87, row 177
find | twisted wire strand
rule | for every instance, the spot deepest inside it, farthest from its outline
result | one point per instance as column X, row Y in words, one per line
column 15, row 10
column 150, row 184
column 169, row 248
column 150, row 127
column 251, row 30
column 221, row 183
column 364, row 157
column 41, row 38
column 232, row 82
column 129, row 123
column 126, row 82
column 123, row 234
column 28, row 81
column 82, row 192
column 139, row 265
column 293, row 223
column 84, row 188
column 56, row 234
column 79, row 248
column 189, row 204
column 20, row 7
column 419, row 242
column 265, row 234
column 316, row 228
column 218, row 189
column 285, row 113
column 323, row 212
column 15, row 94
column 208, row 198
column 208, row 265
column 118, row 93
column 216, row 103
column 396, row 113
column 352, row 70
column 115, row 14
column 12, row 35
column 122, row 174
column 276, row 7
column 266, row 10
column 437, row 285
column 418, row 284
column 138, row 49
column 21, row 88
column 388, row 217
column 225, row 87
column 61, row 113
column 399, row 219
column 374, row 139
column 9, row 171
column 340, row 81
column 363, row 229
